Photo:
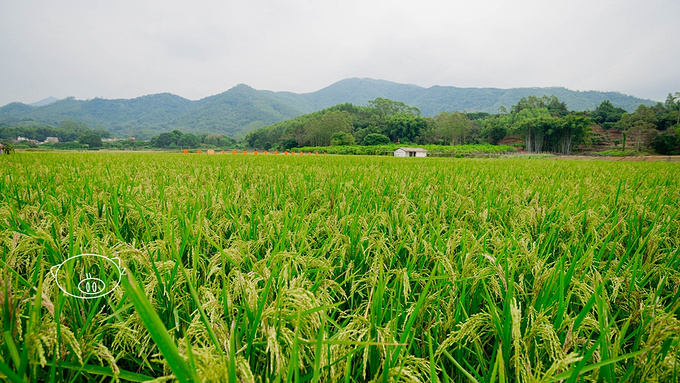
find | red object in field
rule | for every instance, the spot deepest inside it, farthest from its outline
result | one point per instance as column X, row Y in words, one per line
column 317, row 153
column 186, row 151
column 198, row 151
column 223, row 152
column 255, row 152
column 265, row 152
column 276, row 152
column 285, row 153
column 244, row 152
column 234, row 152
column 301, row 153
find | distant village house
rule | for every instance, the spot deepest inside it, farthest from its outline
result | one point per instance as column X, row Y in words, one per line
column 24, row 139
column 410, row 152
column 52, row 139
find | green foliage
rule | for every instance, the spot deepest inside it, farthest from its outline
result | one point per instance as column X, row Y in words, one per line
column 67, row 145
column 572, row 130
column 6, row 148
column 543, row 122
column 607, row 115
column 494, row 131
column 620, row 153
column 554, row 106
column 387, row 149
column 188, row 141
column 342, row 139
column 91, row 140
column 288, row 144
column 664, row 117
column 322, row 128
column 373, row 139
column 548, row 129
column 640, row 125
column 667, row 143
column 403, row 127
column 217, row 140
column 243, row 109
column 178, row 140
column 385, row 107
column 449, row 129
column 673, row 105
column 66, row 131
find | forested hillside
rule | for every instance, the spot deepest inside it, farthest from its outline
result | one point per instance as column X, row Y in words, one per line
column 243, row 109
column 539, row 124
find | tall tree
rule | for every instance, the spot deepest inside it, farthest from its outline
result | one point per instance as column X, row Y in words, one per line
column 640, row 125
column 319, row 130
column 188, row 141
column 571, row 130
column 386, row 107
column 673, row 104
column 92, row 140
column 452, row 128
column 607, row 115
column 494, row 130
column 404, row 127
column 537, row 132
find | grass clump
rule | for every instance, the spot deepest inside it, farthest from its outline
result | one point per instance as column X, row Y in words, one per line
column 620, row 153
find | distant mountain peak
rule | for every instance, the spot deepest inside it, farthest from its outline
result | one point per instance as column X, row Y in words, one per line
column 242, row 108
column 44, row 101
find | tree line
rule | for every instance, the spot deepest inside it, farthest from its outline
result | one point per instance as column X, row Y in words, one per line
column 544, row 124
column 179, row 140
column 66, row 131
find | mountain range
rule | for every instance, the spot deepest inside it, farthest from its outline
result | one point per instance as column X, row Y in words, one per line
column 242, row 108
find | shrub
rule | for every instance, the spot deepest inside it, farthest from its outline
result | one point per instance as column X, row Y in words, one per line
column 342, row 139
column 666, row 144
column 375, row 139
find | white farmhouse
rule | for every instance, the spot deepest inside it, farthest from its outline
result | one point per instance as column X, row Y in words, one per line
column 410, row 152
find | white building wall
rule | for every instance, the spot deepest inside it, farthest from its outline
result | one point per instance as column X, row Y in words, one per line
column 421, row 154
column 399, row 153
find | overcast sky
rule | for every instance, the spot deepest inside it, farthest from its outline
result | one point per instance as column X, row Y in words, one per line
column 126, row 49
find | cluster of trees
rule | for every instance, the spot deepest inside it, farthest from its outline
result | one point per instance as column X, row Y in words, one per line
column 178, row 140
column 543, row 123
column 67, row 131
column 656, row 126
column 380, row 122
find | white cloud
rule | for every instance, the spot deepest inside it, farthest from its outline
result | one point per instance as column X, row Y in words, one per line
column 195, row 49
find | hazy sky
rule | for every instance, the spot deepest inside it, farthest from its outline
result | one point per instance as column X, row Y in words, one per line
column 125, row 49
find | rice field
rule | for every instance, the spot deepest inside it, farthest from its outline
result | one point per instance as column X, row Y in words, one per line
column 340, row 269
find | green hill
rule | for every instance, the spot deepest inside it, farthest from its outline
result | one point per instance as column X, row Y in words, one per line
column 238, row 110
column 242, row 108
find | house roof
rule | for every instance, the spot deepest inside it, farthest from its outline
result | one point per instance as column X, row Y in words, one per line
column 421, row 150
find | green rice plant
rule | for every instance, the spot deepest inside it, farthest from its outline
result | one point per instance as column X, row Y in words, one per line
column 329, row 268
